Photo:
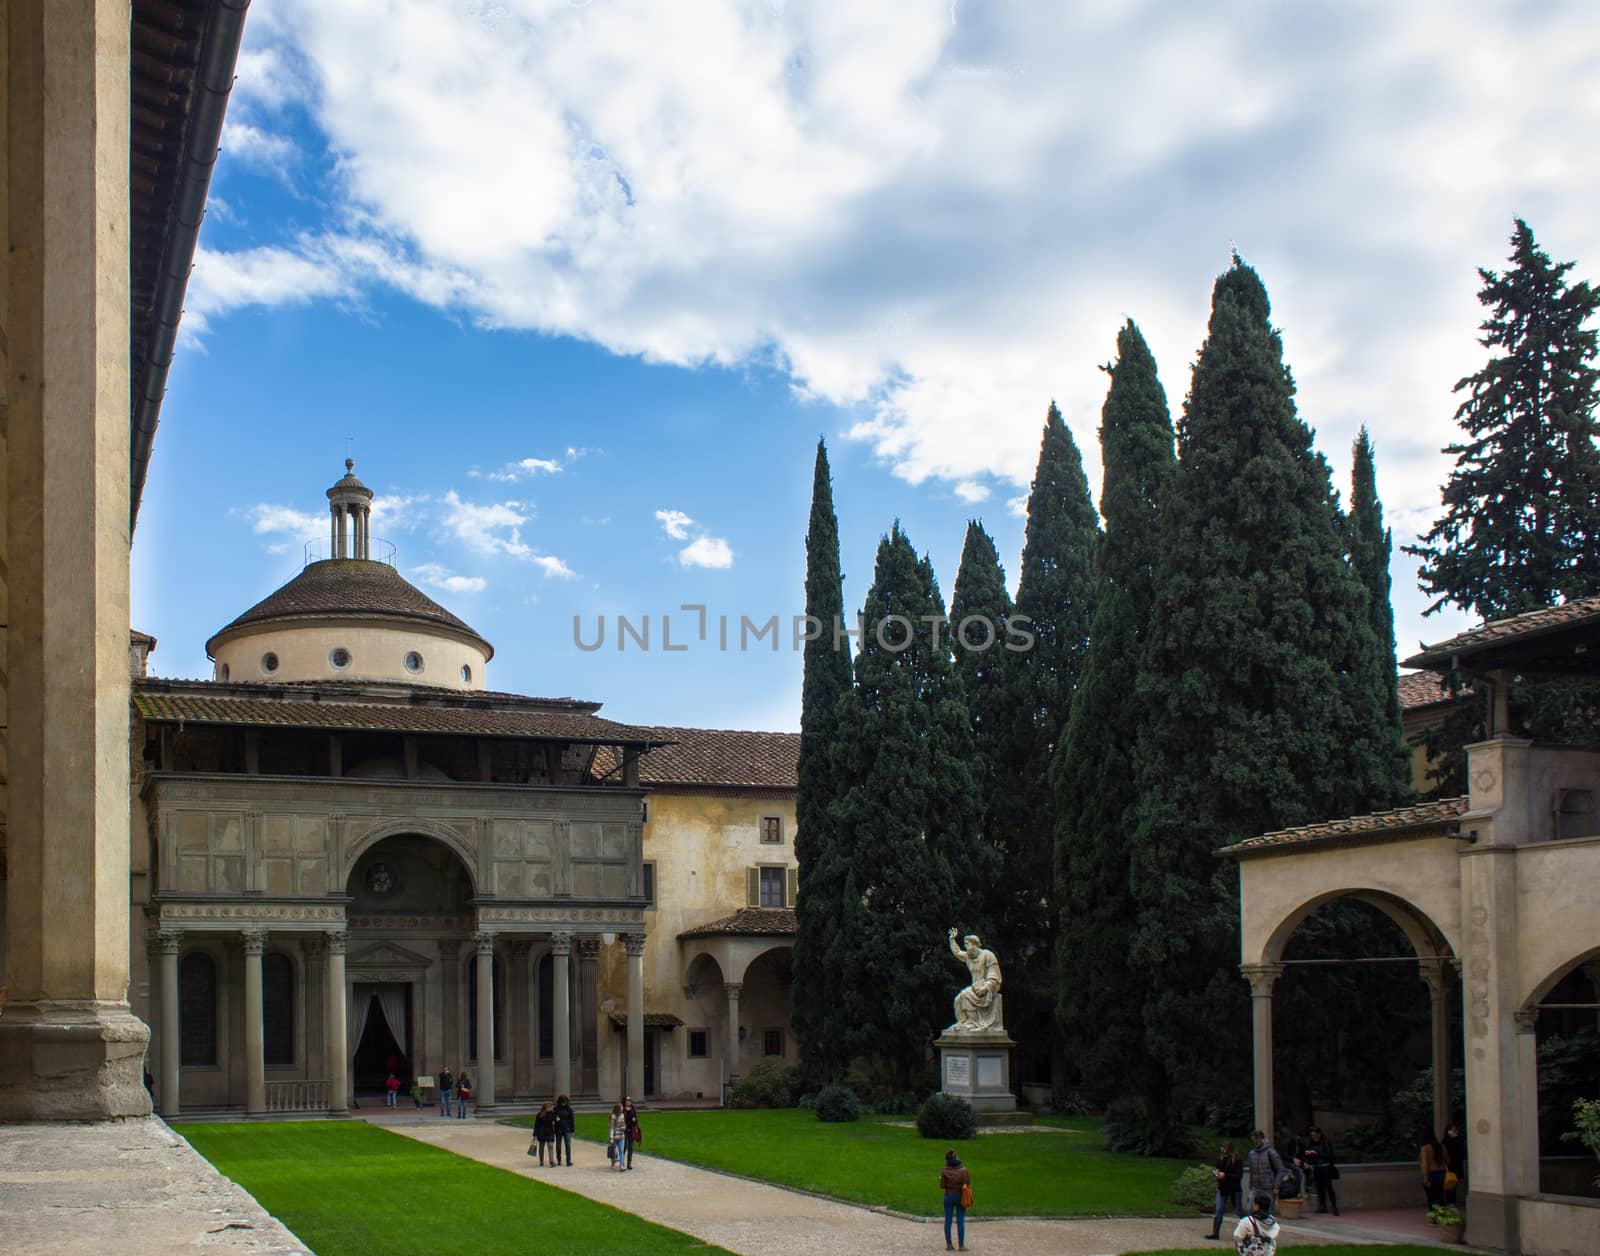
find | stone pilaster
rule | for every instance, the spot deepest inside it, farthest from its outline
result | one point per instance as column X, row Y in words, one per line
column 169, row 942
column 635, row 945
column 561, row 1005
column 1262, row 977
column 338, row 1037
column 485, row 945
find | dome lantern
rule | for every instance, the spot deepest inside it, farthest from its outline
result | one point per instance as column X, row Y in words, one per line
column 350, row 502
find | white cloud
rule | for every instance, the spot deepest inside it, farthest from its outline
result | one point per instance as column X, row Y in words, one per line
column 706, row 551
column 941, row 218
column 972, row 491
column 258, row 149
column 496, row 529
column 437, row 577
column 552, row 566
column 674, row 523
column 528, row 468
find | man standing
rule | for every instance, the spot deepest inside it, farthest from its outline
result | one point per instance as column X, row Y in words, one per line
column 631, row 1114
column 1266, row 1169
column 446, row 1085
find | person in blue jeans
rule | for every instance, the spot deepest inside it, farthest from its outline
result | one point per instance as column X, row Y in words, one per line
column 446, row 1084
column 463, row 1095
column 952, row 1179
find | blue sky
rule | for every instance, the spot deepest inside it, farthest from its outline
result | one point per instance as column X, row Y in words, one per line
column 583, row 281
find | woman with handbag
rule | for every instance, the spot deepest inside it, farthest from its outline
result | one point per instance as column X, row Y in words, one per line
column 618, row 1149
column 1324, row 1170
column 956, row 1184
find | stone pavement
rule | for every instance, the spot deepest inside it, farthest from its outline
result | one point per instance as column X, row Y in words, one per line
column 131, row 1187
column 755, row 1219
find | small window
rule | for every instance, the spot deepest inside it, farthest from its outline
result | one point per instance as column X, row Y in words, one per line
column 699, row 1044
column 413, row 662
column 772, row 1042
column 772, row 887
column 1575, row 813
column 649, row 883
column 644, row 811
column 466, row 674
column 340, row 659
column 269, row 662
column 222, row 671
column 772, row 830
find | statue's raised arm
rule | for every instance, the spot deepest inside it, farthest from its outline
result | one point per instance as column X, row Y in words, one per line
column 978, row 1007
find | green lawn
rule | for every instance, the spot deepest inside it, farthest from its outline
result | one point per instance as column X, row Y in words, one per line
column 1336, row 1249
column 874, row 1162
column 353, row 1190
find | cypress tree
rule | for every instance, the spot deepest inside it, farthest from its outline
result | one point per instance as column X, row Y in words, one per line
column 1093, row 771
column 1370, row 546
column 826, row 678
column 908, row 819
column 1250, row 682
column 1055, row 592
column 980, row 601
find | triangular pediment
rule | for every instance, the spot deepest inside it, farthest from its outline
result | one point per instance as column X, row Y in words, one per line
column 387, row 955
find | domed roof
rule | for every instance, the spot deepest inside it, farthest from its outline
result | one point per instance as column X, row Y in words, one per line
column 350, row 588
column 349, row 484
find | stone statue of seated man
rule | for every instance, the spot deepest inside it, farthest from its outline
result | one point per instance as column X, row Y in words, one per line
column 978, row 1007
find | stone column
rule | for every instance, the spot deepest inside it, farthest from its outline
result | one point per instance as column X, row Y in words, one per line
column 635, row 944
column 168, row 943
column 521, row 1035
column 70, row 1047
column 485, row 944
column 451, row 1046
column 561, row 1006
column 588, row 1014
column 338, row 1045
column 315, row 1002
column 1262, row 977
column 1439, row 974
column 255, row 1071
column 733, row 989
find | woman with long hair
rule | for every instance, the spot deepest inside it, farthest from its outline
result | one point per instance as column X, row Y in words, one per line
column 1432, row 1163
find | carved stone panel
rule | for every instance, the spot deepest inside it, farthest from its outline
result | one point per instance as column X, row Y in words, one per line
column 524, row 858
column 294, row 853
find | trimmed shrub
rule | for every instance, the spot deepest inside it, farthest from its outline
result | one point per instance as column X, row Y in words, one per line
column 947, row 1117
column 1130, row 1131
column 838, row 1103
column 767, row 1084
column 1196, row 1188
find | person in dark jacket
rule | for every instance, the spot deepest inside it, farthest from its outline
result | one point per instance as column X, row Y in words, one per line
column 446, row 1086
column 952, row 1178
column 1455, row 1161
column 544, row 1133
column 566, row 1123
column 1266, row 1169
column 632, row 1114
column 463, row 1096
column 1318, row 1155
column 1230, row 1184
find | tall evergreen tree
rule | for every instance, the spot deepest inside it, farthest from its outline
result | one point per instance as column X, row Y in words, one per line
column 826, row 678
column 1370, row 545
column 908, row 819
column 979, row 610
column 1093, row 770
column 1522, row 505
column 1249, row 687
column 1055, row 592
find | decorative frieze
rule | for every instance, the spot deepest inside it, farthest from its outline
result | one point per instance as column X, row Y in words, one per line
column 235, row 914
column 546, row 916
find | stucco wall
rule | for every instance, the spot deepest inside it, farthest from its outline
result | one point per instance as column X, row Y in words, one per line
column 1552, row 1225
column 377, row 652
column 1555, row 883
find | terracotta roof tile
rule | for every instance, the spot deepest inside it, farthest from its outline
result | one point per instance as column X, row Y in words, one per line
column 749, row 922
column 1499, row 631
column 717, row 756
column 435, row 717
column 1422, row 689
column 348, row 587
column 1424, row 815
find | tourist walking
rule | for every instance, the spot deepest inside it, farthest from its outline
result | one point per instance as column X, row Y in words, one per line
column 632, row 1114
column 391, row 1092
column 463, row 1096
column 1455, row 1161
column 1266, row 1169
column 1324, row 1171
column 1432, row 1163
column 1230, row 1182
column 955, row 1184
column 544, row 1133
column 416, row 1093
column 446, row 1087
column 566, row 1124
column 1257, row 1234
column 619, row 1138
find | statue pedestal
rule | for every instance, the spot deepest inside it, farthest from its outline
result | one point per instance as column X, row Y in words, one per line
column 977, row 1067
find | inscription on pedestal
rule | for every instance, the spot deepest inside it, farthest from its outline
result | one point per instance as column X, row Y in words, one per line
column 955, row 1072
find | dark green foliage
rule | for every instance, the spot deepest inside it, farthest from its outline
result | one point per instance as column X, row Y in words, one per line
column 1569, row 1070
column 1130, row 1131
column 947, row 1117
column 1523, row 501
column 838, row 1103
column 1370, row 545
column 1196, row 1188
column 768, row 1084
column 1254, row 717
column 1056, row 594
column 908, row 822
column 1233, row 1118
column 827, row 677
column 1093, row 770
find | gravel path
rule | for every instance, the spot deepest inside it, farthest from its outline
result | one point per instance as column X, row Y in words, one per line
column 755, row 1219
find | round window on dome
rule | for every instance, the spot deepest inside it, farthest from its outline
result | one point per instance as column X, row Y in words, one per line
column 413, row 661
column 340, row 659
column 269, row 662
column 466, row 674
